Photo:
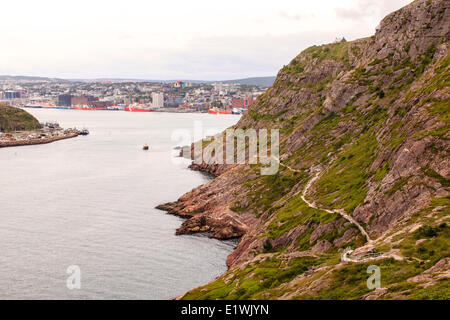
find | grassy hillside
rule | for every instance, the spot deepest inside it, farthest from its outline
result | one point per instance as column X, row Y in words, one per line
column 12, row 118
column 368, row 123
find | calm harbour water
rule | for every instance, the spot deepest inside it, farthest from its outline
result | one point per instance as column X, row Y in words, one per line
column 89, row 201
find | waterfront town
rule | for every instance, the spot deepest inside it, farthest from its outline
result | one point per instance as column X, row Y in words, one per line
column 138, row 96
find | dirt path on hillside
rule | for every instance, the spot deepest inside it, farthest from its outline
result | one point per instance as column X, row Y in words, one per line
column 346, row 254
column 313, row 205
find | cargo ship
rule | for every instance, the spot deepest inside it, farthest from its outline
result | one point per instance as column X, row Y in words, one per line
column 87, row 108
column 42, row 105
column 218, row 111
column 137, row 109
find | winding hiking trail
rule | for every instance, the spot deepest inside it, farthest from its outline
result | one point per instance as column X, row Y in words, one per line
column 346, row 254
column 338, row 211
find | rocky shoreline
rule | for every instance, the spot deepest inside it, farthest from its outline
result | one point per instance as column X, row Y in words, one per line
column 215, row 220
column 206, row 208
column 6, row 144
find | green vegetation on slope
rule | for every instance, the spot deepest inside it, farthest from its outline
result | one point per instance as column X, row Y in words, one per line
column 349, row 281
column 294, row 213
column 374, row 120
column 344, row 184
column 12, row 118
column 264, row 191
column 253, row 279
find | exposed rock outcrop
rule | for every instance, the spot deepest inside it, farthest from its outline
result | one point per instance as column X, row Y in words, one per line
column 373, row 115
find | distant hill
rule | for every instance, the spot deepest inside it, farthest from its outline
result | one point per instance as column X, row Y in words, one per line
column 28, row 78
column 112, row 80
column 255, row 81
column 12, row 118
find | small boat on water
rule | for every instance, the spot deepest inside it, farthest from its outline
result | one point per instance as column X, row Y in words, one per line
column 145, row 147
column 84, row 132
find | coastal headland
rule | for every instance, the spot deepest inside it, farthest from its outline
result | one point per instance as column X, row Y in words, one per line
column 363, row 175
column 19, row 128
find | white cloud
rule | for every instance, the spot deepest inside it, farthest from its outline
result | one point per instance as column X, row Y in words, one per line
column 369, row 9
column 296, row 16
column 197, row 39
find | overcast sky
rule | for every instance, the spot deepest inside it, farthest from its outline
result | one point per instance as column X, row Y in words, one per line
column 174, row 39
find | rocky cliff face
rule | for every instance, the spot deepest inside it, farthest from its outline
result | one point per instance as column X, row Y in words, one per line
column 364, row 163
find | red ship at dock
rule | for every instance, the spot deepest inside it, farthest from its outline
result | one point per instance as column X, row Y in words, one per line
column 137, row 109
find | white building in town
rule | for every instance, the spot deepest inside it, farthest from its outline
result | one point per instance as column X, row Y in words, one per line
column 157, row 99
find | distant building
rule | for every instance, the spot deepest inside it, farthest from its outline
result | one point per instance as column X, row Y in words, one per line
column 9, row 95
column 179, row 84
column 173, row 101
column 182, row 84
column 76, row 101
column 242, row 103
column 218, row 86
column 65, row 100
column 157, row 100
column 340, row 40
